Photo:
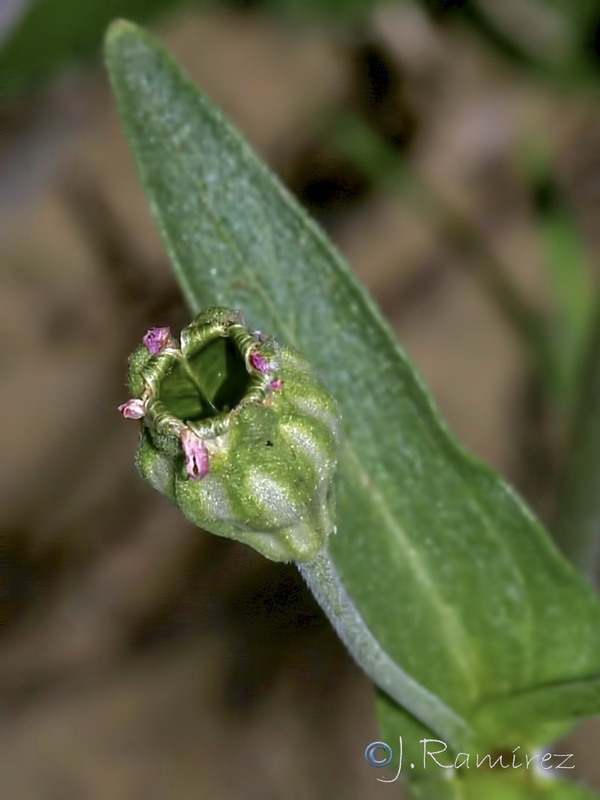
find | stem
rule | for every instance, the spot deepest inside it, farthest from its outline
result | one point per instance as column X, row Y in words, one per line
column 324, row 581
column 577, row 519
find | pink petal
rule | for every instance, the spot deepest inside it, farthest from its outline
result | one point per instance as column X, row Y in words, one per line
column 276, row 385
column 156, row 339
column 196, row 455
column 259, row 363
column 133, row 409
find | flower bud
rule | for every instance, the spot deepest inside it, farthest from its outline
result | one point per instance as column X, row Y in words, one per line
column 239, row 432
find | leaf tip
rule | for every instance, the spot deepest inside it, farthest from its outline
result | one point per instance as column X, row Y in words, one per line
column 119, row 28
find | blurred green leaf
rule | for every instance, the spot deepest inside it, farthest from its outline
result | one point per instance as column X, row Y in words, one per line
column 572, row 286
column 53, row 33
column 566, row 262
column 449, row 569
column 577, row 510
column 510, row 784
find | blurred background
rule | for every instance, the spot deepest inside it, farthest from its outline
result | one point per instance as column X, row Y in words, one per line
column 451, row 148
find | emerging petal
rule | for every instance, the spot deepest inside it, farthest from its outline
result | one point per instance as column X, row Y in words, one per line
column 156, row 339
column 133, row 409
column 196, row 455
column 259, row 363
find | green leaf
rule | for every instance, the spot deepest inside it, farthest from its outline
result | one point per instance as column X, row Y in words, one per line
column 510, row 784
column 449, row 569
column 571, row 279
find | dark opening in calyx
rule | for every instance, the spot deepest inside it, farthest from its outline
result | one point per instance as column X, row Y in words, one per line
column 206, row 382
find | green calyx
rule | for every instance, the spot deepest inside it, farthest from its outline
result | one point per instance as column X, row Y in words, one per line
column 238, row 432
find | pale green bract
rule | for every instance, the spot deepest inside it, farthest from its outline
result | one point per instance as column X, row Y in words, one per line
column 239, row 432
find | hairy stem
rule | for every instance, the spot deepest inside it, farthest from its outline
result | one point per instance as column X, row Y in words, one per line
column 324, row 581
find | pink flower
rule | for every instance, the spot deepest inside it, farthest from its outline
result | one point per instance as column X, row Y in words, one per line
column 156, row 339
column 196, row 455
column 259, row 363
column 276, row 385
column 133, row 409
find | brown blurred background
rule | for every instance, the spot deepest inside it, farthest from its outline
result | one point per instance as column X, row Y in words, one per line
column 140, row 658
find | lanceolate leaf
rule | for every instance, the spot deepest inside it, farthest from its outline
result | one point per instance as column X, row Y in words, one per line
column 451, row 572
